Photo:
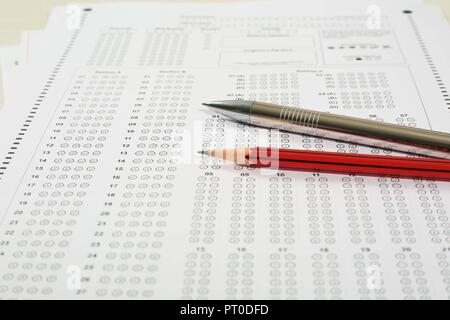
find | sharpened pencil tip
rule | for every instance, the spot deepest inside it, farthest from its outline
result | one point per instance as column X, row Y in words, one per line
column 206, row 153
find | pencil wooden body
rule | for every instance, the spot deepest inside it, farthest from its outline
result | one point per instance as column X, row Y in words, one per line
column 341, row 163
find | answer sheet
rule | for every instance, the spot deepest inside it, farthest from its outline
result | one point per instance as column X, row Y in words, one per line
column 104, row 196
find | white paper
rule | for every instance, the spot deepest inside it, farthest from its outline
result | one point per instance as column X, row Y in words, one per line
column 106, row 197
column 8, row 57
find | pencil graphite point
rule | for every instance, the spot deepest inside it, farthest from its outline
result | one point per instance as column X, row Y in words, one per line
column 203, row 152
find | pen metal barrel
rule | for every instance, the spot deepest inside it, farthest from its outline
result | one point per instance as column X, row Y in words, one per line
column 350, row 129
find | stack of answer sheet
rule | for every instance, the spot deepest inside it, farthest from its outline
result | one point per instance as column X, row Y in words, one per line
column 104, row 196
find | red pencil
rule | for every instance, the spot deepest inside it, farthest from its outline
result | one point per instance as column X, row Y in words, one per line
column 336, row 162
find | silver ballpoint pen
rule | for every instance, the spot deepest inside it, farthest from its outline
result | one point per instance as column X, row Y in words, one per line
column 337, row 127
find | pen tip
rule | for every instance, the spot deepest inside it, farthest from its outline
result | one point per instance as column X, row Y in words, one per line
column 206, row 104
